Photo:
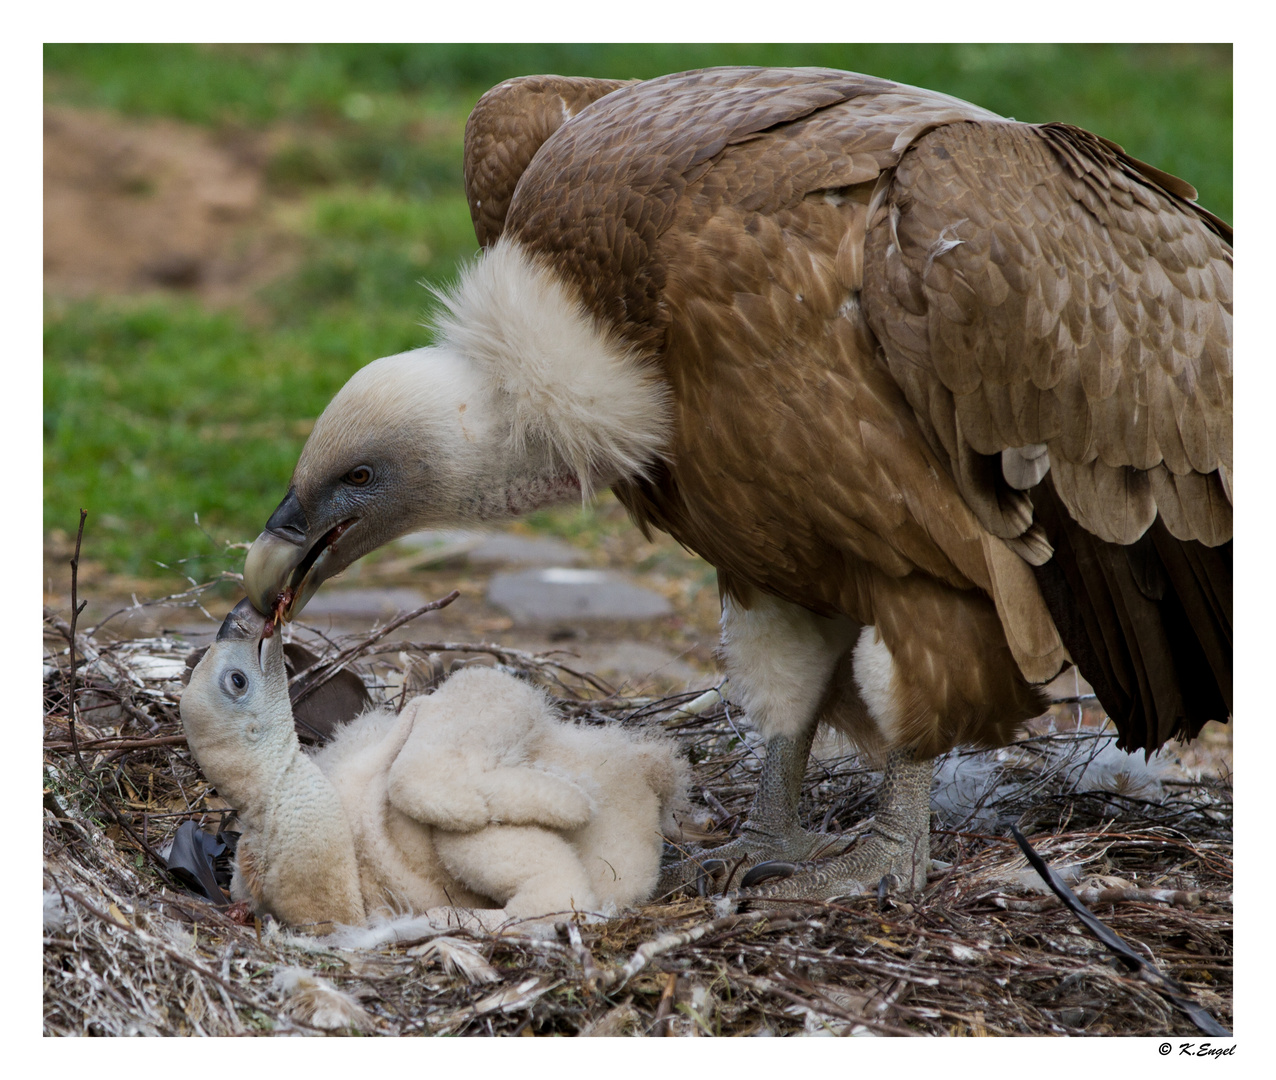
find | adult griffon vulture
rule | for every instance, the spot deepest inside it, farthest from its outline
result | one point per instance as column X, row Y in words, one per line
column 945, row 398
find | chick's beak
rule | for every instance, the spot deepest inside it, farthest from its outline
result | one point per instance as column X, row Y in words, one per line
column 242, row 624
column 246, row 623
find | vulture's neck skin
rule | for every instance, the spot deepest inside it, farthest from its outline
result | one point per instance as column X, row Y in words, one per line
column 499, row 475
column 450, row 434
column 521, row 495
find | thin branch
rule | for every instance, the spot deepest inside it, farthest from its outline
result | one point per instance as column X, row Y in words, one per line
column 502, row 653
column 76, row 608
column 122, row 744
column 185, row 598
column 338, row 662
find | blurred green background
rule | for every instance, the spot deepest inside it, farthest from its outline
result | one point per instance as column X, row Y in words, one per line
column 160, row 405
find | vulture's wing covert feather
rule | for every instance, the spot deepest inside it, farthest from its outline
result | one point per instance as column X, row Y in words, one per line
column 1059, row 316
column 506, row 129
column 1036, row 288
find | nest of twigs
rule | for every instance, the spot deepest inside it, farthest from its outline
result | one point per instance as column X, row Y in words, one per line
column 984, row 950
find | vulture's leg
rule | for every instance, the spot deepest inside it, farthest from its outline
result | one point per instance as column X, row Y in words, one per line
column 780, row 659
column 771, row 832
column 895, row 844
column 772, row 824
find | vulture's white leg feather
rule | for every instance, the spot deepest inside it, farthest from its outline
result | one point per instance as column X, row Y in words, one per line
column 875, row 678
column 779, row 658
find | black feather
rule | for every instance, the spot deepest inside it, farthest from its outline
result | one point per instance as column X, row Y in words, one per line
column 1148, row 624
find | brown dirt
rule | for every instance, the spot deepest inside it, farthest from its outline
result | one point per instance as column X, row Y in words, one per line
column 134, row 206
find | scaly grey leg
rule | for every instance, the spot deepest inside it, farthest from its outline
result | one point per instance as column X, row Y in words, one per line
column 896, row 845
column 771, row 831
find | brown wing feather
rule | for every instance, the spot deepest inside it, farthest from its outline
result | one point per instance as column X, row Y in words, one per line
column 506, row 129
column 598, row 199
column 1037, row 285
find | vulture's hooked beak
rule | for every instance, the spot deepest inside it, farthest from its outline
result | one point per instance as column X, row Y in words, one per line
column 246, row 623
column 284, row 568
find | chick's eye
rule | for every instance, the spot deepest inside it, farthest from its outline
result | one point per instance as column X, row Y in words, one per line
column 359, row 476
column 235, row 682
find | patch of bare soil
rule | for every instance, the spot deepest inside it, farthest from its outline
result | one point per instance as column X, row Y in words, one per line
column 133, row 205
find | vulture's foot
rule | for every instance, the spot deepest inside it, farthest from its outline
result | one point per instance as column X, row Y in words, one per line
column 772, row 831
column 892, row 853
column 880, row 860
column 715, row 871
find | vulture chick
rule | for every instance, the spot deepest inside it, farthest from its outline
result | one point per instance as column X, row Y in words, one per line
column 476, row 796
column 945, row 399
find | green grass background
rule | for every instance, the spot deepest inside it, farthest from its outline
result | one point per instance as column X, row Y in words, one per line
column 156, row 410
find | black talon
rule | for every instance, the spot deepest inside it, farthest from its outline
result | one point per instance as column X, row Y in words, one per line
column 704, row 871
column 726, row 885
column 882, row 887
column 764, row 871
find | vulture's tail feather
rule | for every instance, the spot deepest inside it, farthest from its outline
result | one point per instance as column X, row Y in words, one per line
column 1148, row 624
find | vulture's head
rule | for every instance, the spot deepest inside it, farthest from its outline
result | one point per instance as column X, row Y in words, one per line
column 525, row 401
column 400, row 447
column 235, row 710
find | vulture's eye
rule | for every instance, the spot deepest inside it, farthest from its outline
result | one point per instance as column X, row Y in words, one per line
column 359, row 476
column 235, row 683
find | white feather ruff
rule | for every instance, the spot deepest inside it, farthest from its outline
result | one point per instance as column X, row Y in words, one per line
column 567, row 380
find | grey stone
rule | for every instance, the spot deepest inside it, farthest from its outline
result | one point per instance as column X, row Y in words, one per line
column 361, row 603
column 558, row 593
column 510, row 549
column 492, row 549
